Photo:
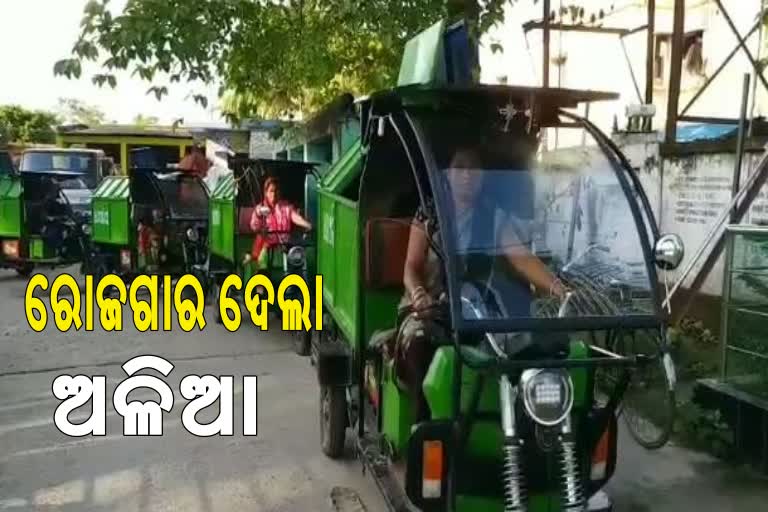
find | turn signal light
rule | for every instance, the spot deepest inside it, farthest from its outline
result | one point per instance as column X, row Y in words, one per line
column 600, row 457
column 125, row 258
column 11, row 248
column 432, row 472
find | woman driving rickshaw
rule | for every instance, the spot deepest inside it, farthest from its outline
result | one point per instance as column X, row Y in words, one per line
column 276, row 217
column 423, row 278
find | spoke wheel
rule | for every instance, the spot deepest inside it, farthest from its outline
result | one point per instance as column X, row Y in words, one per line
column 333, row 420
column 649, row 405
column 25, row 269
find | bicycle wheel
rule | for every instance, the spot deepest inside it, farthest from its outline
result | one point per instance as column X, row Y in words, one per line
column 649, row 404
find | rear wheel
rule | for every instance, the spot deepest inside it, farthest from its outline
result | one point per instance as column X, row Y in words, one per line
column 333, row 420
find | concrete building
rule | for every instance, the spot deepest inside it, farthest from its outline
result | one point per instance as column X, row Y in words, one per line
column 616, row 63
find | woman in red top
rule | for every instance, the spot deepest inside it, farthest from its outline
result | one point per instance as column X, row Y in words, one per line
column 280, row 220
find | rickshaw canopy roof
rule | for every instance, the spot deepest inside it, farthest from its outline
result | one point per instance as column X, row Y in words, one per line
column 228, row 185
column 528, row 97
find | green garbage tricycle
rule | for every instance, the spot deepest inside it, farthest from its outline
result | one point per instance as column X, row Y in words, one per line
column 245, row 242
column 154, row 221
column 507, row 276
column 45, row 207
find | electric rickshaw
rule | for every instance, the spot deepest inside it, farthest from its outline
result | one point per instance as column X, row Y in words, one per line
column 524, row 388
column 152, row 221
column 45, row 207
column 234, row 201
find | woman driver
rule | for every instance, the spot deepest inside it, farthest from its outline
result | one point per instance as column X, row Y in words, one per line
column 279, row 222
column 424, row 282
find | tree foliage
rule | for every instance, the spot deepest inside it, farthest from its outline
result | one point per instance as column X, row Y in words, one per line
column 142, row 121
column 74, row 111
column 21, row 125
column 269, row 58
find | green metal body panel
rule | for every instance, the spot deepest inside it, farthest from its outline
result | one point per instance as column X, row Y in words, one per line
column 38, row 250
column 397, row 416
column 11, row 210
column 110, row 221
column 485, row 440
column 338, row 260
column 222, row 220
column 423, row 59
column 380, row 310
column 344, row 172
column 222, row 228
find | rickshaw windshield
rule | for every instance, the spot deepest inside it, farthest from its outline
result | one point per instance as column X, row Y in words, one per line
column 185, row 196
column 520, row 211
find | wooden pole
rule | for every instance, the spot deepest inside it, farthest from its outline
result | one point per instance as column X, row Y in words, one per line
column 675, row 73
column 545, row 46
column 650, row 52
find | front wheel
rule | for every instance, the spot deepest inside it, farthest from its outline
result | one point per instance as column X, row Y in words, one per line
column 649, row 405
column 333, row 420
column 25, row 269
column 302, row 342
column 217, row 303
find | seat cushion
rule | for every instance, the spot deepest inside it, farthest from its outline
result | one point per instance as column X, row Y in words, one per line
column 386, row 247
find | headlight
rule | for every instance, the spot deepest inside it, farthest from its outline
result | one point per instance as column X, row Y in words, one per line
column 547, row 395
column 296, row 256
column 192, row 235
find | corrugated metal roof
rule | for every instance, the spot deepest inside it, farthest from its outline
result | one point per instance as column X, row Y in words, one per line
column 127, row 131
column 695, row 132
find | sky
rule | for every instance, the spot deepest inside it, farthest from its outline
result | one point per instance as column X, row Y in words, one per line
column 34, row 34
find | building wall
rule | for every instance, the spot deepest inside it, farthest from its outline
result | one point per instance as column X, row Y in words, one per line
column 597, row 61
column 688, row 193
column 262, row 145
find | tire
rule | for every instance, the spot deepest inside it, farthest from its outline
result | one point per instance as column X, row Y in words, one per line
column 25, row 269
column 302, row 342
column 333, row 420
column 649, row 405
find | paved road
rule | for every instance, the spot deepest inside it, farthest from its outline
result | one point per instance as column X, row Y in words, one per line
column 281, row 469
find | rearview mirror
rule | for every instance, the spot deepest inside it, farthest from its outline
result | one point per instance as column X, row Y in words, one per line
column 668, row 252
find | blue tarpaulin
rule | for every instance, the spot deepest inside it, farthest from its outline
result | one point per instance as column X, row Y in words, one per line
column 694, row 132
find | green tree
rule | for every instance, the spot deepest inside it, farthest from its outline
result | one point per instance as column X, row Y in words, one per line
column 269, row 58
column 18, row 124
column 141, row 120
column 74, row 111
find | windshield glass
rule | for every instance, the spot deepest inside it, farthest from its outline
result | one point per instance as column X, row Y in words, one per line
column 185, row 195
column 47, row 161
column 522, row 214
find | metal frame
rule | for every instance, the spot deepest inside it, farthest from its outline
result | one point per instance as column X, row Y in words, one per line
column 730, row 232
column 649, row 27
